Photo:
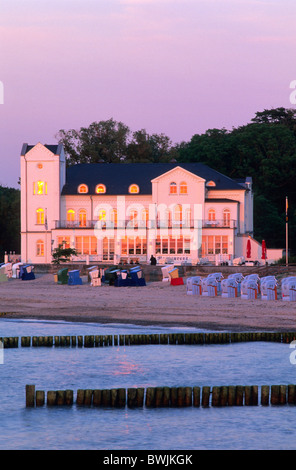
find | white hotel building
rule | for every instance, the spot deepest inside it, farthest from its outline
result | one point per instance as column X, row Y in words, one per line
column 181, row 212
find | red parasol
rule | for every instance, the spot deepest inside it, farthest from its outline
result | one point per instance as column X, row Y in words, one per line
column 264, row 254
column 249, row 248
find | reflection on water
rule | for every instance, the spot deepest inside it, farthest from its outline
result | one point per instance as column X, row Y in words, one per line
column 140, row 366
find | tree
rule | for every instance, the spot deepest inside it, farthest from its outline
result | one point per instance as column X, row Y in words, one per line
column 62, row 255
column 9, row 220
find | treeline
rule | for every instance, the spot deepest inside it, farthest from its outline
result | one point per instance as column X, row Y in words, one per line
column 264, row 149
column 9, row 221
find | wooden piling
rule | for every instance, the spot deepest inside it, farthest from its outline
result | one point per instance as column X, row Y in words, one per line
column 88, row 397
column 140, row 397
column 239, row 395
column 68, row 397
column 73, row 341
column 223, row 396
column 97, row 397
column 291, row 394
column 196, row 396
column 166, row 396
column 131, row 397
column 265, row 395
column 150, row 397
column 275, row 395
column 106, row 397
column 80, row 397
column 51, row 398
column 174, row 396
column 60, row 397
column 231, row 400
column 30, row 395
column 121, row 397
column 188, row 396
column 282, row 394
column 40, row 398
column 216, row 396
column 205, row 398
column 80, row 341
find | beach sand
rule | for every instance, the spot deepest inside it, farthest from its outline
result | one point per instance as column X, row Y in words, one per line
column 158, row 303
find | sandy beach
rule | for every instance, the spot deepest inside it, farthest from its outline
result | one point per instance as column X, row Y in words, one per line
column 157, row 303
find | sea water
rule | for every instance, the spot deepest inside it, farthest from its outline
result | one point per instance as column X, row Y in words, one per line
column 90, row 428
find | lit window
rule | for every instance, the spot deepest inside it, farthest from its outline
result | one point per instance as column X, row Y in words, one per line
column 40, row 187
column 64, row 242
column 40, row 248
column 212, row 215
column 134, row 189
column 82, row 218
column 70, row 215
column 114, row 217
column 226, row 217
column 40, row 216
column 183, row 188
column 211, row 183
column 102, row 214
column 173, row 188
column 82, row 189
column 100, row 189
column 178, row 213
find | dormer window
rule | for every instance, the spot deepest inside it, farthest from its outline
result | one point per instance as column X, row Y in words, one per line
column 173, row 188
column 83, row 189
column 134, row 189
column 100, row 189
column 211, row 184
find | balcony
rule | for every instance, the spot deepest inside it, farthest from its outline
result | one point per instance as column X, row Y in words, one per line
column 143, row 224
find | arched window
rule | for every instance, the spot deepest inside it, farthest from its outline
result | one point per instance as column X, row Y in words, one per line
column 133, row 218
column 102, row 214
column 212, row 215
column 183, row 187
column 83, row 189
column 145, row 217
column 211, row 183
column 100, row 189
column 40, row 216
column 173, row 188
column 40, row 248
column 134, row 189
column 82, row 218
column 226, row 218
column 70, row 215
column 178, row 213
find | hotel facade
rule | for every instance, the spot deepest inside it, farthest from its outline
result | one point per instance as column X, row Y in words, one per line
column 178, row 212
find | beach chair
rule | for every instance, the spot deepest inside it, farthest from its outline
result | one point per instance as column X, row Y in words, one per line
column 288, row 288
column 196, row 286
column 218, row 277
column 264, row 281
column 239, row 278
column 229, row 287
column 63, row 276
column 189, row 284
column 7, row 269
column 165, row 273
column 3, row 277
column 27, row 273
column 94, row 275
column 175, row 279
column 74, row 278
column 271, row 286
column 137, row 277
column 122, row 279
column 110, row 275
column 16, row 270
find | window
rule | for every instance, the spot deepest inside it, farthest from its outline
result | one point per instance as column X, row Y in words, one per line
column 64, row 242
column 134, row 189
column 172, row 245
column 212, row 215
column 145, row 217
column 40, row 248
column 108, row 249
column 102, row 214
column 39, row 188
column 40, row 217
column 178, row 213
column 173, row 188
column 114, row 217
column 226, row 218
column 133, row 246
column 133, row 218
column 86, row 245
column 211, row 183
column 214, row 244
column 82, row 218
column 183, row 187
column 83, row 189
column 70, row 217
column 100, row 189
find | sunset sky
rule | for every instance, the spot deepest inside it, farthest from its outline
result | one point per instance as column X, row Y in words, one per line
column 177, row 67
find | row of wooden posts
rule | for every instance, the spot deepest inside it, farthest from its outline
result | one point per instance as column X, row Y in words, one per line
column 89, row 341
column 155, row 397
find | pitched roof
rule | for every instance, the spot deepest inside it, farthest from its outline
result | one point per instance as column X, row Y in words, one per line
column 117, row 177
column 55, row 149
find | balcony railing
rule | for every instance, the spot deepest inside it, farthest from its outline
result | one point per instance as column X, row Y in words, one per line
column 142, row 224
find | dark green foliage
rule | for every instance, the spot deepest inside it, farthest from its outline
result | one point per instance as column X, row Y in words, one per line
column 9, row 221
column 62, row 255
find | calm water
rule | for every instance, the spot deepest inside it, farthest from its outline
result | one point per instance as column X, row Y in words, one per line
column 141, row 366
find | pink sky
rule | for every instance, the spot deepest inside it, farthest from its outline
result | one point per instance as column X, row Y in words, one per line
column 177, row 67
